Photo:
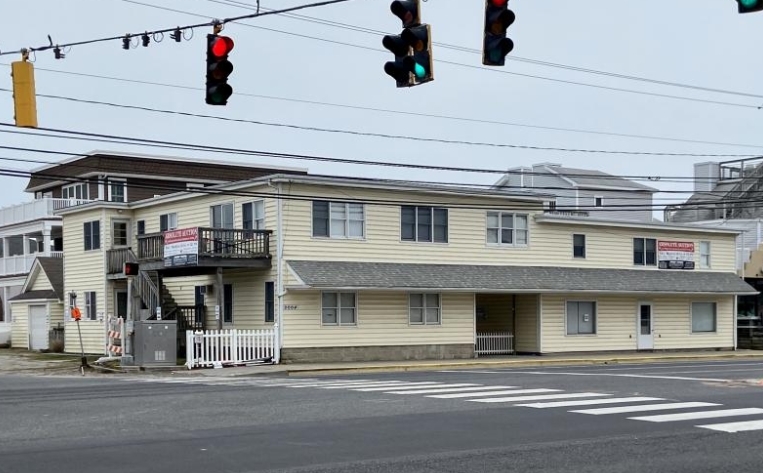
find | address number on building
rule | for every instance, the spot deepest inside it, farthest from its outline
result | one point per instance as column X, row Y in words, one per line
column 290, row 307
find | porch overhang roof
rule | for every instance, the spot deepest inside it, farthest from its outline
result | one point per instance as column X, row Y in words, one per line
column 510, row 279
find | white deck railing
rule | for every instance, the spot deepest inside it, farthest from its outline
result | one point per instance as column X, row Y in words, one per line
column 494, row 343
column 36, row 209
column 228, row 347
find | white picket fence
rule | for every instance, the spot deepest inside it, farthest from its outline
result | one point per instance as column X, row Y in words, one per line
column 494, row 343
column 228, row 347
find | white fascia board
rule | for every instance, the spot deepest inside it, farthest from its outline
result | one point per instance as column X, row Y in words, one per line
column 505, row 291
column 546, row 218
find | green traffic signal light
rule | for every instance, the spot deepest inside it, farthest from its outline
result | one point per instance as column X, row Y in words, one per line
column 749, row 6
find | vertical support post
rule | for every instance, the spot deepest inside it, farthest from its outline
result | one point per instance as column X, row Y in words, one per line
column 129, row 320
column 46, row 242
column 219, row 313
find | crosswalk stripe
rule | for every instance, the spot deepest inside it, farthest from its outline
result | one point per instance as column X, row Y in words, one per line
column 340, row 384
column 493, row 393
column 440, row 389
column 416, row 387
column 537, row 398
column 390, row 385
column 644, row 408
column 733, row 427
column 700, row 415
column 589, row 402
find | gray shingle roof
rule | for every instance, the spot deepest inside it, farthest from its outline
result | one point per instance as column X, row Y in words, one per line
column 30, row 295
column 54, row 270
column 593, row 178
column 335, row 274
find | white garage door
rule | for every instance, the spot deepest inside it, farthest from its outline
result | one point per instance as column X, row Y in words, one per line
column 38, row 327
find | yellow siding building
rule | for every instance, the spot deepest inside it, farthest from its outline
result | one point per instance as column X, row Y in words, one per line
column 364, row 269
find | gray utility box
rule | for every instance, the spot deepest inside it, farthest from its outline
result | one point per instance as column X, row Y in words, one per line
column 156, row 343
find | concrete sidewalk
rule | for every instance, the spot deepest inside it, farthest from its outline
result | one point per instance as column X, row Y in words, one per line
column 316, row 369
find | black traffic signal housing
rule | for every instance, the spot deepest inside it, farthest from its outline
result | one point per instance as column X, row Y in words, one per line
column 496, row 45
column 131, row 268
column 749, row 6
column 218, row 69
column 413, row 64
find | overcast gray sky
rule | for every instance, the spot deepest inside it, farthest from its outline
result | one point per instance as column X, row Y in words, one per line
column 701, row 42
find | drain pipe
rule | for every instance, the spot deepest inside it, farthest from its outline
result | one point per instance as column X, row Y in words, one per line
column 279, row 320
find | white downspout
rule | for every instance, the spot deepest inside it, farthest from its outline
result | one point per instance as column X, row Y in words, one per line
column 279, row 322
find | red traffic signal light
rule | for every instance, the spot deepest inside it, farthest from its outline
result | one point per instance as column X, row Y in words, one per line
column 408, row 11
column 218, row 69
column 131, row 268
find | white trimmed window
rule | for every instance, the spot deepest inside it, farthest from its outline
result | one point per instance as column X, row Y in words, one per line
column 339, row 308
column 253, row 215
column 645, row 251
column 424, row 309
column 581, row 317
column 506, row 228
column 92, row 235
column 704, row 317
column 704, row 254
column 168, row 222
column 75, row 191
column 338, row 219
column 117, row 191
column 90, row 306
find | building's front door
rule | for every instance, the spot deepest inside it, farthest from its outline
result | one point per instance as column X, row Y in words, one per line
column 645, row 333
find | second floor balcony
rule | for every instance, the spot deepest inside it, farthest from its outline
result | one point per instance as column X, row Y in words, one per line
column 36, row 209
column 197, row 250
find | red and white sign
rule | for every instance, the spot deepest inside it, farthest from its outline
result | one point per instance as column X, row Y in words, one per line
column 181, row 242
column 675, row 254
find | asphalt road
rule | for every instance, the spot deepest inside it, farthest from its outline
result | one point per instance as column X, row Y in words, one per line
column 673, row 417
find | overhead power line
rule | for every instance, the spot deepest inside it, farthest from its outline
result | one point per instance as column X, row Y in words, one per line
column 387, row 135
column 405, row 112
column 470, row 66
column 174, row 28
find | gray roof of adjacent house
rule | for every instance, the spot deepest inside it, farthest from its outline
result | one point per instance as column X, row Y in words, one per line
column 528, row 279
column 703, row 206
column 54, row 271
column 592, row 178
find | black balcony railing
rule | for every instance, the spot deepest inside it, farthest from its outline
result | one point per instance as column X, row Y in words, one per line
column 212, row 243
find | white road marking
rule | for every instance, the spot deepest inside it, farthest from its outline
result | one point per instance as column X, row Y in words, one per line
column 390, row 384
column 589, row 402
column 438, row 390
column 414, row 387
column 733, row 427
column 537, row 398
column 493, row 393
column 623, row 375
column 700, row 415
column 644, row 408
column 340, row 383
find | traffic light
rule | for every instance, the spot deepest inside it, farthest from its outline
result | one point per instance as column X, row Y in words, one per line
column 218, row 69
column 413, row 64
column 24, row 98
column 131, row 268
column 749, row 6
column 496, row 45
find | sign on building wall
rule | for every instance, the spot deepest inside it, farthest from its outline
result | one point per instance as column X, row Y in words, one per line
column 181, row 247
column 675, row 254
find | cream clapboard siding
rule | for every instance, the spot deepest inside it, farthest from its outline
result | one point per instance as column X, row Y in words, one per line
column 497, row 310
column 672, row 323
column 20, row 326
column 616, row 323
column 56, row 313
column 85, row 271
column 382, row 320
column 550, row 244
column 526, row 331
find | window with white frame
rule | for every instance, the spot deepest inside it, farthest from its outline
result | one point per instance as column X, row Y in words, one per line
column 221, row 216
column 418, row 223
column 338, row 219
column 339, row 308
column 92, row 237
column 91, row 312
column 117, row 191
column 75, row 191
column 703, row 317
column 253, row 215
column 645, row 251
column 168, row 222
column 704, row 254
column 506, row 228
column 228, row 303
column 119, row 233
column 424, row 309
column 581, row 317
column 598, row 201
column 270, row 301
column 578, row 245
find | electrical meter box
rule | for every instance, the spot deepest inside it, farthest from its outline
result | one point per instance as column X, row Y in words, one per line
column 155, row 343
